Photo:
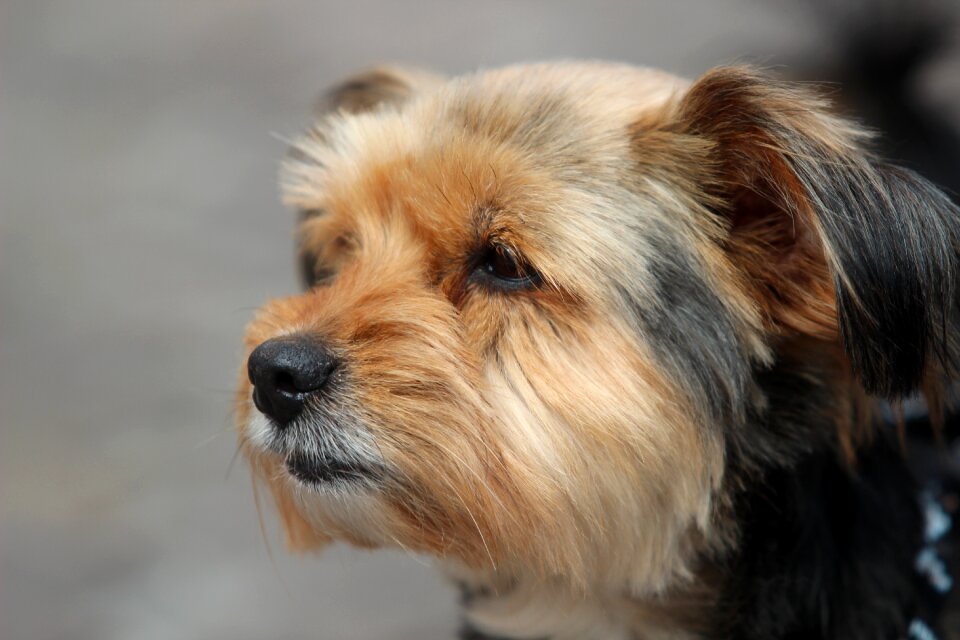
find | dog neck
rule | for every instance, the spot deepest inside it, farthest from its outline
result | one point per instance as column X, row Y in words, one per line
column 493, row 611
column 824, row 553
column 822, row 547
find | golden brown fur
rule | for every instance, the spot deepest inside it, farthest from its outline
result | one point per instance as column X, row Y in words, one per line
column 569, row 438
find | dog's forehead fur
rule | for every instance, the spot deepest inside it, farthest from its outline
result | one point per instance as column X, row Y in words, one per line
column 566, row 114
column 531, row 144
column 550, row 159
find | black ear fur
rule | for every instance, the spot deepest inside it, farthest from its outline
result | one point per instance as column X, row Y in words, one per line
column 891, row 237
column 888, row 237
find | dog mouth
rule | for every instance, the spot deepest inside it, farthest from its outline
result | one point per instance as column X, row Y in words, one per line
column 317, row 471
column 321, row 454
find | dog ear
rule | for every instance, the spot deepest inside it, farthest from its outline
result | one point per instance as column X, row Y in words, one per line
column 831, row 237
column 375, row 87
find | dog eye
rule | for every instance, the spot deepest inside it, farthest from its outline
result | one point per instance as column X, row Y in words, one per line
column 313, row 274
column 502, row 266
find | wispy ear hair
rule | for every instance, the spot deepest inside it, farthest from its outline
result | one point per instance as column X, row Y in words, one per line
column 826, row 229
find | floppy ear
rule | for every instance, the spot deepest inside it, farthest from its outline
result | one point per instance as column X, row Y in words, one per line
column 831, row 237
column 375, row 87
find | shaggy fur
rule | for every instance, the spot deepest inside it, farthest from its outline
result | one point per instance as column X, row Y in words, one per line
column 665, row 425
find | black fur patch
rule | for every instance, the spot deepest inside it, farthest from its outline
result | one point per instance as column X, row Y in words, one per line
column 469, row 633
column 825, row 553
column 692, row 333
column 894, row 238
column 795, row 418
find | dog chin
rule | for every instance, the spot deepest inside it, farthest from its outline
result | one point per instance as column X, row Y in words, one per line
column 326, row 471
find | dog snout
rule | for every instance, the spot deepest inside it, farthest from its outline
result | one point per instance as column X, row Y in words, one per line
column 286, row 371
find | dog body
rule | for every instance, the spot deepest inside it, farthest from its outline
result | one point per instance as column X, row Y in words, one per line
column 609, row 344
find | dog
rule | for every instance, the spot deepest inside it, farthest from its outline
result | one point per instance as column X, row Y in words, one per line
column 616, row 348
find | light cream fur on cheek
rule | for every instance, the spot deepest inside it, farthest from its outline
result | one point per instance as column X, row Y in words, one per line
column 358, row 514
column 258, row 430
column 362, row 515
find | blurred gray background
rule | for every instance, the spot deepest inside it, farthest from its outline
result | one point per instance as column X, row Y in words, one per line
column 139, row 227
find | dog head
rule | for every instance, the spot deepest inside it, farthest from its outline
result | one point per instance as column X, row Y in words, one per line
column 542, row 302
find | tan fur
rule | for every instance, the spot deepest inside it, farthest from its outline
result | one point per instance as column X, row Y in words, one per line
column 531, row 437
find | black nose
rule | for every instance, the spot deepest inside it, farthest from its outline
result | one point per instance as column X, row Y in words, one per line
column 285, row 372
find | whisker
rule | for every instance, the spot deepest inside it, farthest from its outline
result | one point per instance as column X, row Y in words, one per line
column 266, row 538
column 483, row 539
column 233, row 460
column 480, row 479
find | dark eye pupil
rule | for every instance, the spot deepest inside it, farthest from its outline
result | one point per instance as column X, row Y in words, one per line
column 502, row 268
column 502, row 264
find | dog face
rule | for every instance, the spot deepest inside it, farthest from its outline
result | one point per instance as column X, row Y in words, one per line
column 542, row 300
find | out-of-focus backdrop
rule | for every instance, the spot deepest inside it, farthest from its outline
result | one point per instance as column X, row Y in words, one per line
column 139, row 227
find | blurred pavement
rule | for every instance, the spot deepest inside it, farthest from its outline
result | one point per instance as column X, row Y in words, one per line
column 139, row 227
